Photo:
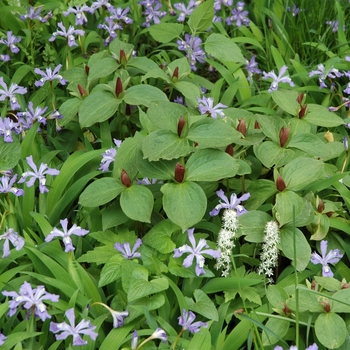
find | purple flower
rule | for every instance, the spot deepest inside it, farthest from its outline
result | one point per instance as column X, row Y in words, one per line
column 311, row 347
column 2, row 339
column 119, row 15
column 32, row 115
column 180, row 100
column 83, row 327
column 334, row 25
column 238, row 15
column 11, row 92
column 4, row 58
column 252, row 67
column 11, row 236
column 127, row 253
column 134, row 340
column 11, row 42
column 74, row 230
column 99, row 3
column 234, row 203
column 185, row 11
column 32, row 299
column 111, row 28
column 35, row 13
column 79, row 11
column 152, row 13
column 37, row 174
column 109, row 156
column 205, row 106
column 320, row 71
column 147, row 181
column 192, row 46
column 49, row 75
column 69, row 35
column 159, row 333
column 218, row 3
column 186, row 321
column 295, row 10
column 196, row 252
column 331, row 258
column 346, row 144
column 278, row 79
column 7, row 183
column 6, row 127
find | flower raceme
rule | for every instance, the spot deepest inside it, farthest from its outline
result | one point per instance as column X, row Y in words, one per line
column 196, row 251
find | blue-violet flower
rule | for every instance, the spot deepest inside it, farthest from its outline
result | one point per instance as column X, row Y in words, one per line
column 11, row 236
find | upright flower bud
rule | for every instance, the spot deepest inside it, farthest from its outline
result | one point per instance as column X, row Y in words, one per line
column 320, row 206
column 87, row 69
column 326, row 306
column 128, row 109
column 82, row 91
column 180, row 125
column 280, row 184
column 179, row 172
column 256, row 125
column 118, row 87
column 229, row 150
column 329, row 136
column 242, row 127
column 175, row 76
column 125, row 179
column 122, row 57
column 302, row 111
column 284, row 133
column 300, row 98
column 346, row 144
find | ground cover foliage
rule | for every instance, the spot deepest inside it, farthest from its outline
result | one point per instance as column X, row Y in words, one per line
column 174, row 175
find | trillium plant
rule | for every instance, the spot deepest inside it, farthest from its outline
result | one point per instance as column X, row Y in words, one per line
column 174, row 174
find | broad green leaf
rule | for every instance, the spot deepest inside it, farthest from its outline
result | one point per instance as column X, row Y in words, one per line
column 303, row 250
column 111, row 271
column 17, row 337
column 137, row 203
column 166, row 115
column 329, row 283
column 140, row 286
column 143, row 95
column 223, row 49
column 203, row 305
column 321, row 116
column 212, row 133
column 319, row 227
column 287, row 100
column 330, row 330
column 276, row 296
column 189, row 90
column 166, row 32
column 184, row 203
column 69, row 109
column 271, row 125
column 201, row 18
column 163, row 144
column 100, row 192
column 270, row 153
column 278, row 328
column 210, row 165
column 97, row 107
column 301, row 171
column 343, row 305
column 102, row 68
column 156, row 73
column 285, row 201
column 309, row 143
column 159, row 237
column 220, row 284
column 10, row 153
column 116, row 45
column 252, row 225
column 260, row 190
column 143, row 64
column 113, row 216
column 201, row 340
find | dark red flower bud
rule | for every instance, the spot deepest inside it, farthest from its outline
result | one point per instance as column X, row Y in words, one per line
column 122, row 57
column 229, row 150
column 300, row 98
column 175, row 76
column 118, row 87
column 284, row 133
column 320, row 207
column 256, row 125
column 286, row 309
column 329, row 214
column 326, row 306
column 280, row 184
column 302, row 111
column 180, row 125
column 125, row 179
column 82, row 91
column 179, row 172
column 242, row 127
column 313, row 285
column 345, row 286
column 195, row 144
column 87, row 69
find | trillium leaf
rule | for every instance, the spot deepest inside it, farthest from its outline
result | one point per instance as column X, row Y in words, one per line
column 184, row 203
column 201, row 18
column 321, row 116
column 166, row 32
column 69, row 109
column 210, row 165
column 137, row 203
column 100, row 192
column 285, row 201
column 270, row 153
column 102, row 68
column 287, row 100
column 143, row 95
column 203, row 305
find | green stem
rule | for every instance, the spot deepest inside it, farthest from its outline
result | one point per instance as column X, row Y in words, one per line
column 177, row 339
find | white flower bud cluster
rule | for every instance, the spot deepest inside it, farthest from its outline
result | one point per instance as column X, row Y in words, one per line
column 269, row 255
column 226, row 239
